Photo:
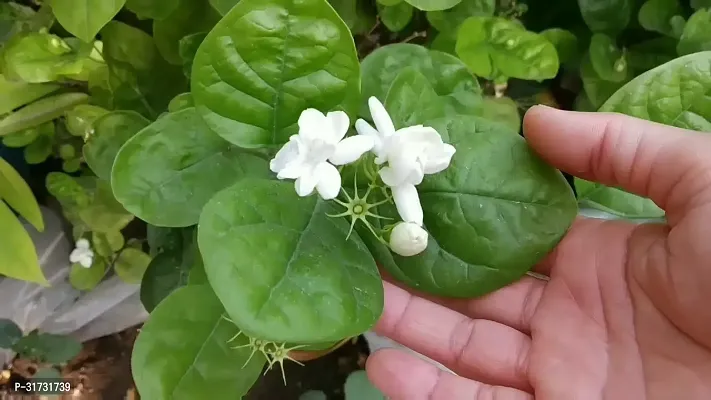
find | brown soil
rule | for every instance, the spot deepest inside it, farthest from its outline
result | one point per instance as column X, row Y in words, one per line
column 102, row 371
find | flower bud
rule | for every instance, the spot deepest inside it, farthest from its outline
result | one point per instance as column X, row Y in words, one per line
column 408, row 239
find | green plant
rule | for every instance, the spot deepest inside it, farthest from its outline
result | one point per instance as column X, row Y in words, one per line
column 245, row 264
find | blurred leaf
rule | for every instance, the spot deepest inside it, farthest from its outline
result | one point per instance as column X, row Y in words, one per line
column 597, row 89
column 696, row 4
column 358, row 387
column 502, row 111
column 18, row 258
column 41, row 148
column 697, row 33
column 609, row 62
column 14, row 94
column 49, row 348
column 47, row 373
column 181, row 102
column 314, row 395
column 107, row 243
column 151, row 9
column 10, row 333
column 606, row 16
column 655, row 15
column 21, row 139
column 191, row 16
column 131, row 264
column 565, row 43
column 187, row 47
column 105, row 213
column 450, row 20
column 433, row 5
column 85, row 18
column 80, row 119
column 651, row 53
column 18, row 195
column 82, row 278
column 396, row 17
column 41, row 111
column 223, row 6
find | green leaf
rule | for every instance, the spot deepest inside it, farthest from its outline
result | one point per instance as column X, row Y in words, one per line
column 672, row 94
column 107, row 243
column 49, row 348
column 651, row 53
column 696, row 4
column 17, row 19
column 615, row 201
column 131, row 264
column 169, row 271
column 447, row 74
column 18, row 195
column 40, row 111
column 104, row 214
column 82, row 278
column 450, row 20
column 607, row 59
column 42, row 57
column 85, row 18
column 565, row 43
column 80, row 119
column 307, row 284
column 14, row 94
column 492, row 215
column 433, row 5
column 696, row 36
column 10, row 333
column 257, row 71
column 223, row 6
column 183, row 352
column 358, row 387
column 67, row 191
column 164, row 239
column 495, row 47
column 348, row 10
column 187, row 48
column 607, row 16
column 503, row 110
column 168, row 171
column 181, row 102
column 41, row 148
column 151, row 9
column 597, row 89
column 111, row 132
column 411, row 100
column 18, row 258
column 396, row 17
column 655, row 15
column 21, row 139
column 191, row 16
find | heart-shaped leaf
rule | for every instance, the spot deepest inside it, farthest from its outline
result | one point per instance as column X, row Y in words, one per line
column 492, row 215
column 283, row 269
column 188, row 350
column 396, row 17
column 268, row 60
column 111, row 132
column 496, row 47
column 609, row 62
column 85, row 18
column 167, row 172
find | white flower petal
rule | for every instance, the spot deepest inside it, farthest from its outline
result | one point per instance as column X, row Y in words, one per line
column 339, row 123
column 288, row 153
column 82, row 244
column 312, row 123
column 329, row 181
column 86, row 261
column 76, row 255
column 403, row 168
column 380, row 117
column 306, row 182
column 407, row 202
column 438, row 159
column 408, row 239
column 364, row 128
column 350, row 149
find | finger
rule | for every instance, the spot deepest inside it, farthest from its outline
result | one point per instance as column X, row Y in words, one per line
column 401, row 376
column 663, row 163
column 513, row 305
column 477, row 348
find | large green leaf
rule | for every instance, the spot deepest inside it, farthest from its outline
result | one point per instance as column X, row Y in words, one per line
column 499, row 48
column 655, row 15
column 268, row 60
column 696, row 36
column 433, row 5
column 85, row 18
column 167, row 172
column 674, row 94
column 493, row 214
column 14, row 94
column 191, row 16
column 447, row 74
column 183, row 353
column 411, row 99
column 615, row 201
column 111, row 131
column 283, row 269
column 448, row 21
column 18, row 258
column 609, row 62
column 608, row 16
column 15, row 192
column 40, row 112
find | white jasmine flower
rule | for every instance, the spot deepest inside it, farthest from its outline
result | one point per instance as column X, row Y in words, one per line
column 408, row 239
column 309, row 157
column 411, row 153
column 82, row 254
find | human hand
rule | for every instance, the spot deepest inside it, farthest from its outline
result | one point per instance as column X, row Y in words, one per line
column 625, row 314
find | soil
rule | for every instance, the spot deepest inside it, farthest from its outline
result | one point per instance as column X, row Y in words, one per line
column 102, row 371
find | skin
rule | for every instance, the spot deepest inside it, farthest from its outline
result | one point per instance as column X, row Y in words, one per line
column 625, row 313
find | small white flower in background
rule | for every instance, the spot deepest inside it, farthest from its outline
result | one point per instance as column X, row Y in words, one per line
column 82, row 254
column 309, row 157
column 408, row 239
column 411, row 153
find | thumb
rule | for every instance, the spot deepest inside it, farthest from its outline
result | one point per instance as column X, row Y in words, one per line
column 667, row 164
